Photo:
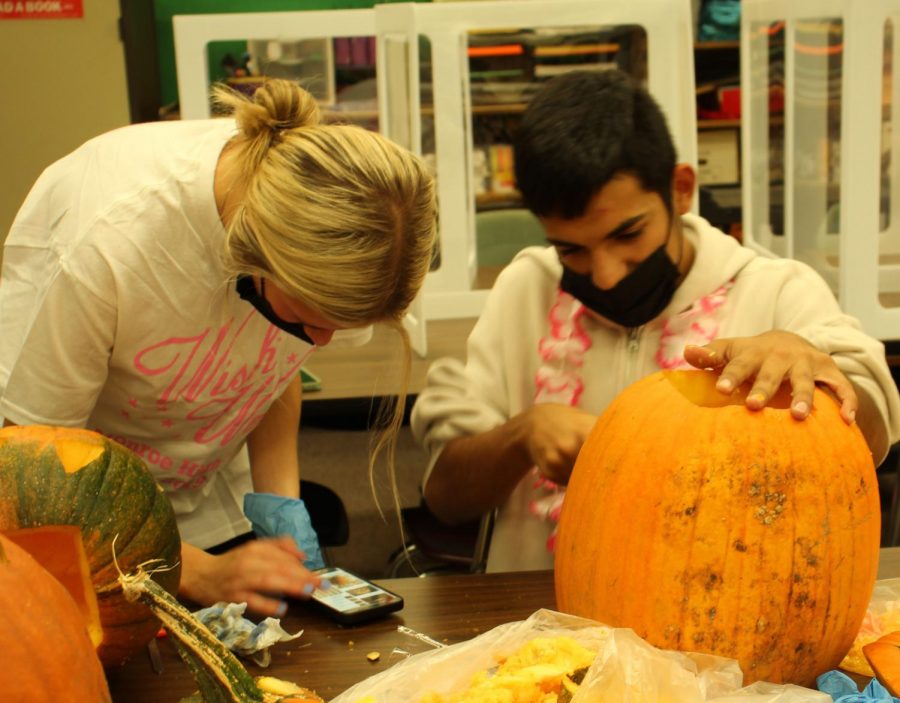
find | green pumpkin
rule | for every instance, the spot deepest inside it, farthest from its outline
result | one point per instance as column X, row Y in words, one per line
column 64, row 476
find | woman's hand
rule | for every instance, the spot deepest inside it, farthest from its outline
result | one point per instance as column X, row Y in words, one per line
column 770, row 359
column 555, row 433
column 259, row 573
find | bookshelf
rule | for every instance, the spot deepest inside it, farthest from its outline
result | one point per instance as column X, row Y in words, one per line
column 508, row 66
column 717, row 71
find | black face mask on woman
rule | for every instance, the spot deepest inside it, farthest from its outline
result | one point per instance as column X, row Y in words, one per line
column 247, row 290
column 633, row 301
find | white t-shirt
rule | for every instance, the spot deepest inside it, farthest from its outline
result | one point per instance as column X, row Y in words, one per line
column 116, row 314
column 498, row 379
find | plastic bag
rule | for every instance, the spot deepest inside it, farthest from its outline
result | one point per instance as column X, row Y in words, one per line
column 882, row 617
column 625, row 670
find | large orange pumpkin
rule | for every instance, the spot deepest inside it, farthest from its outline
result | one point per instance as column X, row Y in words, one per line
column 62, row 476
column 48, row 656
column 708, row 527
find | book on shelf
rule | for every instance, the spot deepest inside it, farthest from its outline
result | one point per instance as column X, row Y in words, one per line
column 496, row 50
column 503, row 178
column 575, row 50
column 501, row 92
column 555, row 59
column 549, row 70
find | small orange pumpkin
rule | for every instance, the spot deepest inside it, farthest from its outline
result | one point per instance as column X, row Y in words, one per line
column 705, row 526
column 48, row 655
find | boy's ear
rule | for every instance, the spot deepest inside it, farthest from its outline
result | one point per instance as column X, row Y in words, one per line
column 684, row 181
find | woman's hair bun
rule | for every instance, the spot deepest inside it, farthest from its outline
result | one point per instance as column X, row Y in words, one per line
column 287, row 105
column 277, row 105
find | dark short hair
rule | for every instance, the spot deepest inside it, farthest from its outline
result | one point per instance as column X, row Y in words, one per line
column 582, row 129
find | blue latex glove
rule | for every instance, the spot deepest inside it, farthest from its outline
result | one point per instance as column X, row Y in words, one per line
column 843, row 689
column 273, row 516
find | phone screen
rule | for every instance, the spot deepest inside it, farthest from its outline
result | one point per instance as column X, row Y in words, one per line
column 349, row 593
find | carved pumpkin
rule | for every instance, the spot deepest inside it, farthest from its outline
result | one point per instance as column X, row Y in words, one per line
column 62, row 476
column 708, row 527
column 59, row 549
column 49, row 656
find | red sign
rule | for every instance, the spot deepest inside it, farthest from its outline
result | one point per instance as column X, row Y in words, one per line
column 40, row 9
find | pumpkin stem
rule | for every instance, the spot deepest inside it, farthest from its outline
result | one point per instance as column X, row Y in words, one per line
column 116, row 561
column 142, row 568
column 219, row 675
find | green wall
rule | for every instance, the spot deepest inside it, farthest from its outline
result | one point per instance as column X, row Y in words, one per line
column 164, row 10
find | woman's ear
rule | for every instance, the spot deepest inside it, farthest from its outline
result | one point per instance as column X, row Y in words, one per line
column 684, row 181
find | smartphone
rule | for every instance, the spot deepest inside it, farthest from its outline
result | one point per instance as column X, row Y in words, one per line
column 351, row 599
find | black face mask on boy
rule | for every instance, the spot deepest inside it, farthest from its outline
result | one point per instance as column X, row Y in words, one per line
column 633, row 301
column 247, row 290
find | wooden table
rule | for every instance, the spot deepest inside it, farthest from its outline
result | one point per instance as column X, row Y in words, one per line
column 329, row 659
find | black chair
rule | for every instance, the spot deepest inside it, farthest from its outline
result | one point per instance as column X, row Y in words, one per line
column 889, row 470
column 888, row 475
column 326, row 513
column 433, row 547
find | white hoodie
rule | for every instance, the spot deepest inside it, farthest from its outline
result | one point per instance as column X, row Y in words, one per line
column 498, row 379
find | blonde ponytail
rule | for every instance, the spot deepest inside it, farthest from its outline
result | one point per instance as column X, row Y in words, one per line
column 339, row 217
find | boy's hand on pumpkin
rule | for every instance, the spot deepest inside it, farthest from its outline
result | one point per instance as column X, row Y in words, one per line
column 770, row 359
column 259, row 573
column 554, row 437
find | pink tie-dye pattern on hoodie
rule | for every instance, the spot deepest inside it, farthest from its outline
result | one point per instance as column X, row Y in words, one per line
column 698, row 325
column 558, row 378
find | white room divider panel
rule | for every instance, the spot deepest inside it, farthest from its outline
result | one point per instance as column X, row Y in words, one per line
column 670, row 71
column 820, row 176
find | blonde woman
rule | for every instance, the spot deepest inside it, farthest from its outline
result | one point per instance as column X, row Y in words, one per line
column 163, row 284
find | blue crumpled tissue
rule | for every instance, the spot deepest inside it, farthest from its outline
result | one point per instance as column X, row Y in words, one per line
column 272, row 516
column 843, row 689
column 227, row 622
